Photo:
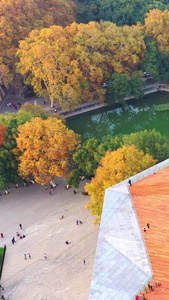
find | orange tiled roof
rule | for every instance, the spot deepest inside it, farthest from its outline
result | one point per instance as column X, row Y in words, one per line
column 151, row 199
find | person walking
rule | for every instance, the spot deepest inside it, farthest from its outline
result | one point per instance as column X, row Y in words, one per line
column 50, row 193
column 2, row 235
column 77, row 222
column 144, row 228
column 20, row 225
column 1, row 287
column 74, row 192
column 129, row 182
column 45, row 257
column 148, row 225
column 84, row 262
column 29, row 255
column 13, row 241
column 25, row 256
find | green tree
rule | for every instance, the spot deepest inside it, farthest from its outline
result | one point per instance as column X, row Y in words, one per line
column 118, row 87
column 127, row 12
column 149, row 141
column 8, row 162
column 109, row 143
column 151, row 63
column 35, row 110
column 87, row 156
column 124, row 12
column 136, row 84
column 85, row 163
column 23, row 116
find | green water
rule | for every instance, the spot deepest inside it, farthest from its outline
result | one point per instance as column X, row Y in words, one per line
column 137, row 115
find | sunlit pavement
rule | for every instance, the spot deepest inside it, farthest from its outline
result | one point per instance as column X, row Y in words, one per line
column 62, row 275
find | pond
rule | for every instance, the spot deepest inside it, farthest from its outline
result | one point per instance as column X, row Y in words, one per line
column 135, row 116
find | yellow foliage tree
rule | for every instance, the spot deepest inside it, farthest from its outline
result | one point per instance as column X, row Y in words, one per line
column 156, row 26
column 69, row 65
column 18, row 18
column 115, row 167
column 46, row 147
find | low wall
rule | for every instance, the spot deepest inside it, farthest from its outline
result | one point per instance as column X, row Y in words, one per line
column 96, row 105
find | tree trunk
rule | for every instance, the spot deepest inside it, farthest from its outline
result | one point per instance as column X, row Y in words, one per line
column 3, row 93
column 51, row 99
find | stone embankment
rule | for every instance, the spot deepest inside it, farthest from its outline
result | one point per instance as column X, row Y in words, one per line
column 149, row 89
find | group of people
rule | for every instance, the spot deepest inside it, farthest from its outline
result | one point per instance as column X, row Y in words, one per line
column 53, row 185
column 14, row 105
column 29, row 256
column 2, row 297
column 79, row 222
column 21, row 236
column 145, row 228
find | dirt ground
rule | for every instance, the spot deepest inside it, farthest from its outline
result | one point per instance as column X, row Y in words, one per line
column 62, row 275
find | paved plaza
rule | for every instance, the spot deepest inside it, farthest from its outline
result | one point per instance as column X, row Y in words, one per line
column 62, row 275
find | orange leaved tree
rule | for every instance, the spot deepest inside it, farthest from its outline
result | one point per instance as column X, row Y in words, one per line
column 46, row 147
column 2, row 134
column 115, row 167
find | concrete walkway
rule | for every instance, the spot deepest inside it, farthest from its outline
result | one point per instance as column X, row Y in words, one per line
column 62, row 275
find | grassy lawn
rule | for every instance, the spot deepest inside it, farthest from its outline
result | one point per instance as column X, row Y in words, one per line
column 162, row 107
column 1, row 259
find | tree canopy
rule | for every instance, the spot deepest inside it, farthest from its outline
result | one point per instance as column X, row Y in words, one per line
column 2, row 133
column 87, row 156
column 18, row 18
column 69, row 65
column 124, row 12
column 8, row 161
column 122, row 85
column 156, row 27
column 115, row 167
column 46, row 147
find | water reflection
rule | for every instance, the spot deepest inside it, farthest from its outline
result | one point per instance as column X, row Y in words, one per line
column 136, row 116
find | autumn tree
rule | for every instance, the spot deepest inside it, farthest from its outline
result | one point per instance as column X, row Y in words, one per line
column 46, row 147
column 115, row 167
column 2, row 134
column 156, row 27
column 18, row 18
column 88, row 155
column 69, row 65
column 8, row 153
